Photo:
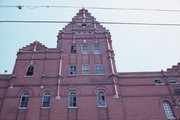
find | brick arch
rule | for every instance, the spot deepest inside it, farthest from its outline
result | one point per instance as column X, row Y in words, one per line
column 168, row 99
column 101, row 88
column 27, row 64
column 29, row 90
column 73, row 89
column 52, row 91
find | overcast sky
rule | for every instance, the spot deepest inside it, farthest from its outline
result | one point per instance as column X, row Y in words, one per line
column 137, row 47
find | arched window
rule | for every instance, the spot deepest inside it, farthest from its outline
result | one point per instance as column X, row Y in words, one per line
column 96, row 48
column 46, row 100
column 101, row 97
column 73, row 49
column 85, row 49
column 30, row 70
column 72, row 99
column 168, row 110
column 24, row 100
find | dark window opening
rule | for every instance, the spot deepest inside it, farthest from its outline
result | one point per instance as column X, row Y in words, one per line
column 158, row 81
column 30, row 70
column 72, row 99
column 72, row 70
column 24, row 100
column 73, row 49
column 84, row 25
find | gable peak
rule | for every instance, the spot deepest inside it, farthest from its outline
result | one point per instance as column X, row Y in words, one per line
column 83, row 15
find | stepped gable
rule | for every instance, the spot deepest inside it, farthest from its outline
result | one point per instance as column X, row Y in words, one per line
column 35, row 46
column 83, row 21
column 174, row 69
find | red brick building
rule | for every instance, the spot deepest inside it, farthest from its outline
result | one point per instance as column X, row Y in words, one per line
column 78, row 81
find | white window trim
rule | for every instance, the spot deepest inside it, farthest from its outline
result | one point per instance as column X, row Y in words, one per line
column 43, row 100
column 167, row 112
column 82, row 51
column 83, row 69
column 99, row 49
column 69, row 100
column 70, row 69
column 98, row 99
column 101, row 68
column 19, row 107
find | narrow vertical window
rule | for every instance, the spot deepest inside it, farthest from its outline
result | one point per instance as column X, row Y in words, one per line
column 85, row 69
column 101, row 97
column 72, row 70
column 96, row 48
column 30, row 70
column 85, row 49
column 24, row 100
column 168, row 110
column 73, row 49
column 72, row 103
column 46, row 100
column 98, row 69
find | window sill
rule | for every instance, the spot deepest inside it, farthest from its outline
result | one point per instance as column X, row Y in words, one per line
column 174, row 83
column 69, row 75
column 45, row 107
column 28, row 76
column 159, row 83
column 171, row 118
column 72, row 107
column 72, row 74
column 102, row 106
column 99, row 74
column 23, row 108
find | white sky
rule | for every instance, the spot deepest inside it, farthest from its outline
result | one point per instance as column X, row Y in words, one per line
column 137, row 48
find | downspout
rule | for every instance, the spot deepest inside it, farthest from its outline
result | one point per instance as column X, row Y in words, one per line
column 112, row 68
column 59, row 79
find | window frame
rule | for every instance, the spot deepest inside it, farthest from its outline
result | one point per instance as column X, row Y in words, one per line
column 49, row 99
column 85, row 51
column 98, row 98
column 23, row 104
column 173, row 81
column 99, row 71
column 27, row 70
column 71, row 101
column 158, row 83
column 168, row 110
column 73, row 50
column 70, row 70
column 85, row 71
column 95, row 50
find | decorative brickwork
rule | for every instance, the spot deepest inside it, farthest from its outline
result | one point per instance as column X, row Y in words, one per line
column 73, row 74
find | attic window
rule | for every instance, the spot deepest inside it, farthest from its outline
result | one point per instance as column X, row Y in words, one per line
column 30, row 70
column 173, row 81
column 84, row 25
column 158, row 81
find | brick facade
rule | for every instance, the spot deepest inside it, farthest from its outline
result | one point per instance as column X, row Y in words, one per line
column 81, row 78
